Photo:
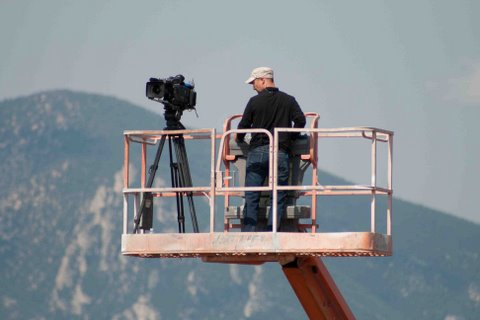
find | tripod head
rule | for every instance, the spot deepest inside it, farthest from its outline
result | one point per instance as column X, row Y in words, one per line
column 172, row 116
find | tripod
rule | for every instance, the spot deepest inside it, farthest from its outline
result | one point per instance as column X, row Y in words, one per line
column 179, row 174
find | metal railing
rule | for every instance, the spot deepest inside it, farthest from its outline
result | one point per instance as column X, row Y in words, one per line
column 315, row 189
column 217, row 185
column 152, row 137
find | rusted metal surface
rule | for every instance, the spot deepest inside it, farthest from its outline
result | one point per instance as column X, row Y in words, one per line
column 316, row 290
column 255, row 246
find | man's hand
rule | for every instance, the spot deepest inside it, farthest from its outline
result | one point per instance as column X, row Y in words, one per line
column 238, row 139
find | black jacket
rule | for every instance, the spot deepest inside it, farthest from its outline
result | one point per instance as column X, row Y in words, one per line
column 270, row 109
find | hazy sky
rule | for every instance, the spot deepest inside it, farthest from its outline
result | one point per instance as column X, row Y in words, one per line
column 409, row 66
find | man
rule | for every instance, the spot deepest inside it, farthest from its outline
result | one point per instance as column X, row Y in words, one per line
column 269, row 109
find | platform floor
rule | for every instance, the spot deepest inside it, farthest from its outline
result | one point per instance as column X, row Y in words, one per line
column 251, row 247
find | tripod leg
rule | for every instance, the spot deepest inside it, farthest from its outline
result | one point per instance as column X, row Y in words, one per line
column 144, row 218
column 181, row 177
column 175, row 178
column 185, row 176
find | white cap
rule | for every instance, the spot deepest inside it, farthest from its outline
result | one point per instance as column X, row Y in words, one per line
column 261, row 72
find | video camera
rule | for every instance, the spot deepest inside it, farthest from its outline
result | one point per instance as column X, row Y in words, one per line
column 172, row 92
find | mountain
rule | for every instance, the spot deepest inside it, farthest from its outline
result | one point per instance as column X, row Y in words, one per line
column 61, row 157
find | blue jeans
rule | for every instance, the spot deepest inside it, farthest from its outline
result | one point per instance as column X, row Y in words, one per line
column 256, row 173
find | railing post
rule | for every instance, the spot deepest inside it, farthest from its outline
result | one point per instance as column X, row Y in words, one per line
column 144, row 164
column 126, row 161
column 374, row 179
column 125, row 213
column 274, row 154
column 390, row 184
column 126, row 183
column 314, row 161
column 212, row 181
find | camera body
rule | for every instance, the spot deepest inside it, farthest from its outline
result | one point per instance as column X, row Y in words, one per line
column 172, row 92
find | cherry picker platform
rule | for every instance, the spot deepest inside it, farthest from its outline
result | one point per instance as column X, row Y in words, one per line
column 300, row 244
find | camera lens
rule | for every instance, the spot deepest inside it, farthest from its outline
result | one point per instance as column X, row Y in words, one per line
column 157, row 89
